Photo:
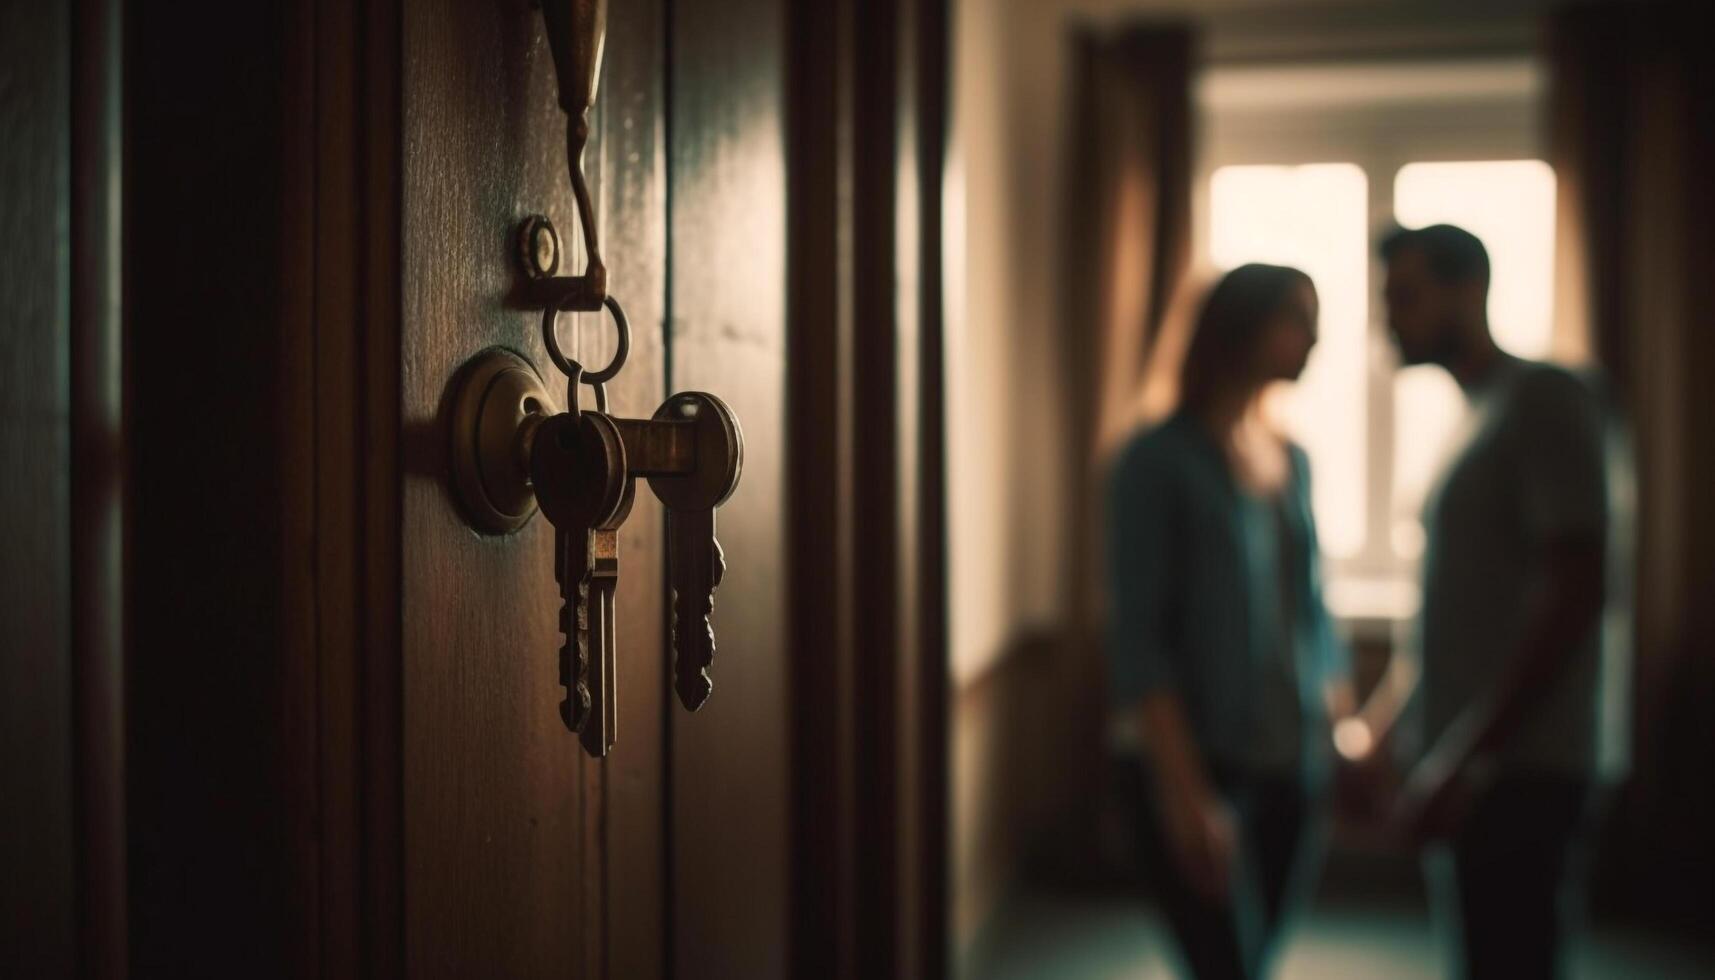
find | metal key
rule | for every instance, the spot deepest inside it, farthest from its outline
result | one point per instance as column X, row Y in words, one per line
column 599, row 732
column 577, row 466
column 573, row 563
column 695, row 562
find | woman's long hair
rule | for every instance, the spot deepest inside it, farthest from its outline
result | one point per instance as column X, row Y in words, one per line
column 1232, row 315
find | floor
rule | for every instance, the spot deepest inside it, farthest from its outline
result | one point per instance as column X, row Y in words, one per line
column 1110, row 938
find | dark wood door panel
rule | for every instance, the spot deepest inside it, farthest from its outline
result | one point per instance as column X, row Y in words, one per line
column 494, row 793
column 731, row 834
column 629, row 164
column 504, row 832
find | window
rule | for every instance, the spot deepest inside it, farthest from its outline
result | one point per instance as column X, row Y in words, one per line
column 1509, row 204
column 1308, row 164
column 1312, row 217
column 1375, row 435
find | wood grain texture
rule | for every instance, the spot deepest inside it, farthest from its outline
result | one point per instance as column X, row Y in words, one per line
column 504, row 830
column 495, row 791
column 36, row 847
column 726, row 161
column 865, row 488
column 629, row 158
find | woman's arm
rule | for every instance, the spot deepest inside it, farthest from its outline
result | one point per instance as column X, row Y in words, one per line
column 1387, row 702
column 1198, row 823
column 1142, row 675
column 1142, row 545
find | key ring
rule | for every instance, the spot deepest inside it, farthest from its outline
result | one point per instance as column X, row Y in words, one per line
column 600, row 393
column 551, row 341
column 574, row 375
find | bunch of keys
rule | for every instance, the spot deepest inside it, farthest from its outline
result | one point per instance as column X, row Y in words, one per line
column 584, row 466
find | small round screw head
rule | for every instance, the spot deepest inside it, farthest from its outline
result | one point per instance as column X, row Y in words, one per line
column 539, row 247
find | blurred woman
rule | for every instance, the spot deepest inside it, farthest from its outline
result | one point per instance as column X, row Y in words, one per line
column 1222, row 653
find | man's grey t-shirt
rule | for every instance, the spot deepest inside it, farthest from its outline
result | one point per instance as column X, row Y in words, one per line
column 1528, row 470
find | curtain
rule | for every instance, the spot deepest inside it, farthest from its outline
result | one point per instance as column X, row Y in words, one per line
column 1127, row 238
column 1129, row 214
column 1630, row 136
column 1128, row 235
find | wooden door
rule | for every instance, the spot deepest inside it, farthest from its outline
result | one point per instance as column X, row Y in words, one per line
column 344, row 755
column 730, row 793
column 521, row 855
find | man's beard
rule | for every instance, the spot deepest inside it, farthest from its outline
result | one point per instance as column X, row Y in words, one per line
column 1441, row 350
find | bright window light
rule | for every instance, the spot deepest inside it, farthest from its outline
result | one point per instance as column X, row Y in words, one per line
column 1312, row 217
column 1509, row 204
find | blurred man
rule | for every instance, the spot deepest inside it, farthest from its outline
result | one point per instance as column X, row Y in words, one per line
column 1510, row 620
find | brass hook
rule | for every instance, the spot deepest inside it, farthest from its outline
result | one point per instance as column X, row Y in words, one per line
column 577, row 33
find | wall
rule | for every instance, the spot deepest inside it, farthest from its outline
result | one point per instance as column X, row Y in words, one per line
column 1005, row 512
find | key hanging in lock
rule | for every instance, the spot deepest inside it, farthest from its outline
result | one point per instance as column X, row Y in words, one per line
column 581, row 466
column 695, row 562
column 578, row 470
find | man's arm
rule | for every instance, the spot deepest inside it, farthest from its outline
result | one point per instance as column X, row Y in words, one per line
column 1567, row 606
column 1563, row 502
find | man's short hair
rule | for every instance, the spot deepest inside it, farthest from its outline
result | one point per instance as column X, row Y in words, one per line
column 1454, row 254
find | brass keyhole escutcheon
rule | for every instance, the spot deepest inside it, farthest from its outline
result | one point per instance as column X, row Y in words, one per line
column 497, row 394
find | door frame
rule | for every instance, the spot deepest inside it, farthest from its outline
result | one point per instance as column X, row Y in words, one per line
column 262, row 600
column 865, row 447
column 866, row 123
